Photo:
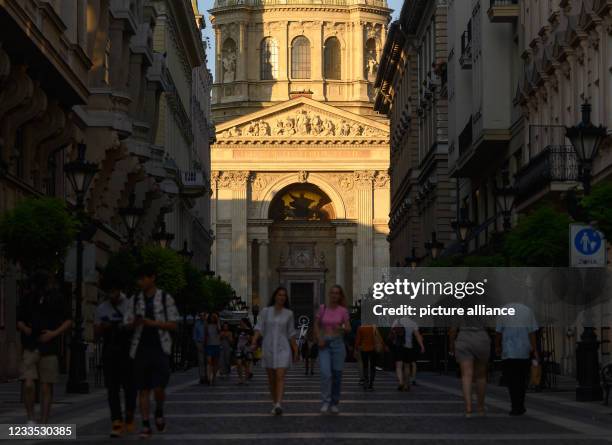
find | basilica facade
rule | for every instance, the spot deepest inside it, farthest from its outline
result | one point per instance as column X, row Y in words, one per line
column 300, row 176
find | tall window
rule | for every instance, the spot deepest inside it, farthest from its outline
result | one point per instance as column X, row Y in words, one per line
column 333, row 64
column 300, row 58
column 269, row 59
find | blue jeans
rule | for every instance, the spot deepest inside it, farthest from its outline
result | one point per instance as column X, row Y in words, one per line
column 331, row 359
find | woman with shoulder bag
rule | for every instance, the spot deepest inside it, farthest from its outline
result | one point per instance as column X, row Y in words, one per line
column 331, row 324
column 369, row 344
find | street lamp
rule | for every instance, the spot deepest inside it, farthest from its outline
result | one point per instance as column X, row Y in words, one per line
column 80, row 174
column 131, row 216
column 434, row 247
column 586, row 139
column 506, row 195
column 413, row 259
column 163, row 238
column 463, row 226
column 185, row 252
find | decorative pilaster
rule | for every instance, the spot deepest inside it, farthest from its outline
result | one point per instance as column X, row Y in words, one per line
column 214, row 177
column 365, row 246
column 263, row 271
column 243, row 59
column 340, row 262
column 237, row 182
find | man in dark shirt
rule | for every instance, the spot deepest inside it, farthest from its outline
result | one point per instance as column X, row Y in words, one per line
column 42, row 319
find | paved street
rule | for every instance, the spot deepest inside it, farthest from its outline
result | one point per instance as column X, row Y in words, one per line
column 431, row 413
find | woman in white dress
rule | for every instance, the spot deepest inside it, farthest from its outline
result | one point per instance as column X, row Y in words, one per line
column 277, row 327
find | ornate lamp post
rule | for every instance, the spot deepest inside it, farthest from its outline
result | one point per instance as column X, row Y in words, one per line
column 586, row 139
column 434, row 247
column 131, row 216
column 80, row 174
column 463, row 226
column 163, row 238
column 185, row 252
column 413, row 259
column 505, row 196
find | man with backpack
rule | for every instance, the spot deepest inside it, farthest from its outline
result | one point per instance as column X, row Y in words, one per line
column 154, row 315
column 116, row 362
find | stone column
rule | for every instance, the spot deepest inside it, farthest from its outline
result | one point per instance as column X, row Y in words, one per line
column 264, row 279
column 340, row 262
column 218, row 55
column 214, row 176
column 365, row 235
column 243, row 56
column 238, row 183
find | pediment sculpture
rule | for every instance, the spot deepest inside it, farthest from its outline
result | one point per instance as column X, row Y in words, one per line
column 303, row 123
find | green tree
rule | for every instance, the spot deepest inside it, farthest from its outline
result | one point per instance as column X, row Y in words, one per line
column 194, row 294
column 37, row 233
column 169, row 266
column 218, row 293
column 599, row 207
column 541, row 238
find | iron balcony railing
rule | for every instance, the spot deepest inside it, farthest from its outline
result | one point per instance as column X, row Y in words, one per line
column 556, row 163
column 495, row 3
column 229, row 3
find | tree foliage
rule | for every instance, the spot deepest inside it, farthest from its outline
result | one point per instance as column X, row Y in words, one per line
column 169, row 267
column 540, row 239
column 599, row 207
column 37, row 233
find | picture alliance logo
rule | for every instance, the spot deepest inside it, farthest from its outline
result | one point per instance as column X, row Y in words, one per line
column 414, row 289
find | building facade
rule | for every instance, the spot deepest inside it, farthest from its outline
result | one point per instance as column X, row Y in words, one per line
column 300, row 181
column 95, row 72
column 412, row 90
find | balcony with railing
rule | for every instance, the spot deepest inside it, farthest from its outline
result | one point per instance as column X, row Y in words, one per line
column 554, row 169
column 466, row 48
column 192, row 183
column 504, row 11
column 260, row 3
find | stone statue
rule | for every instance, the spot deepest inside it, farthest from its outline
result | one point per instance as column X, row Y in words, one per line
column 330, row 128
column 356, row 129
column 264, row 128
column 289, row 127
column 345, row 129
column 229, row 65
column 279, row 129
column 316, row 125
column 302, row 122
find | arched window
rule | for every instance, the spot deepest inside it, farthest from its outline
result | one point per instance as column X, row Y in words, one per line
column 333, row 63
column 269, row 59
column 300, row 58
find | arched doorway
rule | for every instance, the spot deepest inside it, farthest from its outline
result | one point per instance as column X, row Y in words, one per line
column 302, row 239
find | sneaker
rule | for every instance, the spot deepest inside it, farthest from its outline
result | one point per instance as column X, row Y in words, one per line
column 117, row 429
column 334, row 409
column 273, row 412
column 278, row 411
column 324, row 408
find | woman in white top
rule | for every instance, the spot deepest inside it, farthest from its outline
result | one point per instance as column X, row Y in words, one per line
column 277, row 327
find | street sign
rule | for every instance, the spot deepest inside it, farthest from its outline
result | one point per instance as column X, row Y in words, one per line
column 587, row 246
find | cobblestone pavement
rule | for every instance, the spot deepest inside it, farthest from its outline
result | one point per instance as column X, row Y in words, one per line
column 431, row 413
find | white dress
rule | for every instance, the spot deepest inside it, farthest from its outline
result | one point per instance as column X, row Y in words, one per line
column 277, row 328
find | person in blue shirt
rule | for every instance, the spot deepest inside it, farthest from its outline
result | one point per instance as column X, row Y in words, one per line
column 516, row 342
column 199, row 338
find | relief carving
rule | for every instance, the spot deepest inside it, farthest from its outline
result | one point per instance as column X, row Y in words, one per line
column 381, row 180
column 303, row 123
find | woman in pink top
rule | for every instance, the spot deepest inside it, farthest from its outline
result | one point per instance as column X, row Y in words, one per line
column 332, row 322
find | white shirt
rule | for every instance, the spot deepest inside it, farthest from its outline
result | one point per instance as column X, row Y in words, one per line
column 409, row 326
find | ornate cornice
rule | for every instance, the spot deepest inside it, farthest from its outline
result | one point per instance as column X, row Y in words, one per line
column 233, row 180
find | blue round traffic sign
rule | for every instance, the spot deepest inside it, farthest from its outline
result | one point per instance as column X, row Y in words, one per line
column 588, row 241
